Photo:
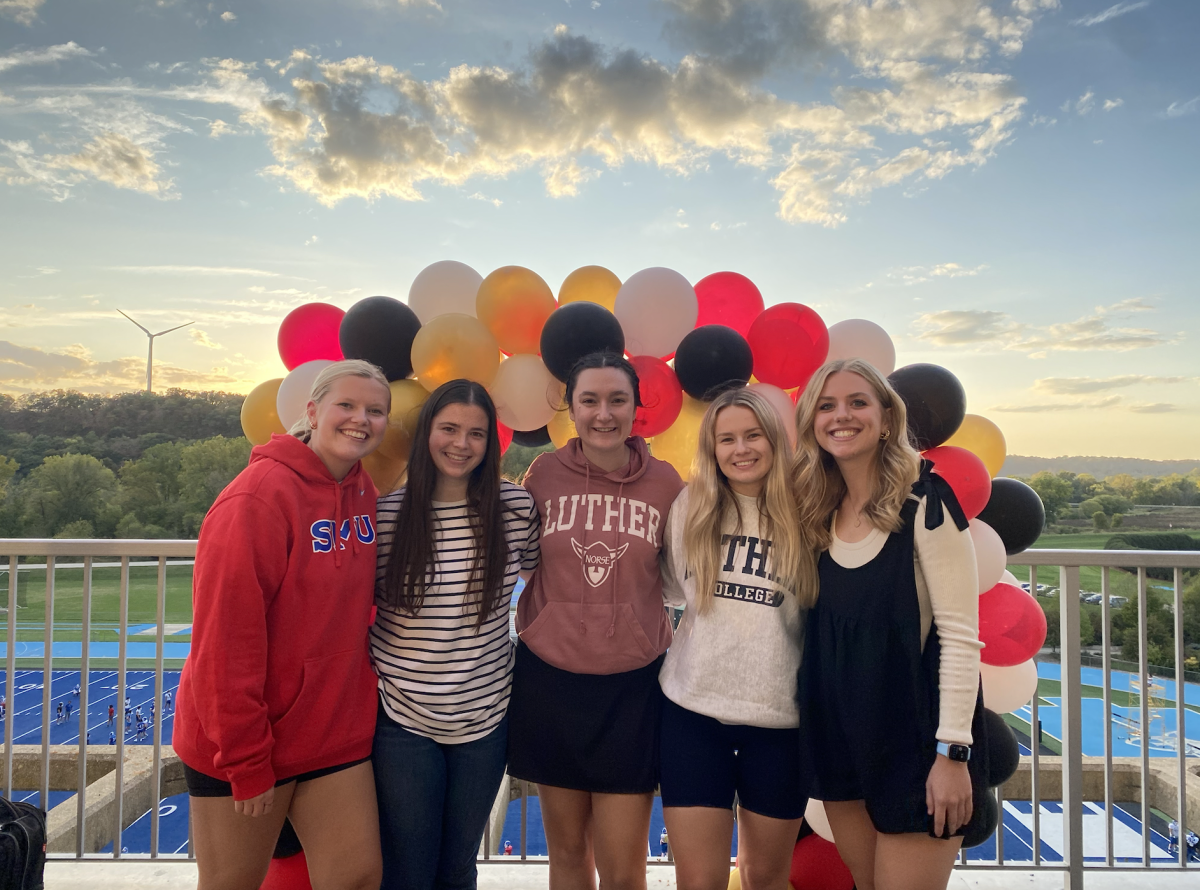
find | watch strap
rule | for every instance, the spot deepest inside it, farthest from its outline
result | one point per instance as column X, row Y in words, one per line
column 956, row 752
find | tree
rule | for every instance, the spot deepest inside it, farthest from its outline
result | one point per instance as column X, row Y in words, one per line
column 1160, row 630
column 206, row 467
column 66, row 489
column 1054, row 492
column 1100, row 520
column 1117, row 519
column 1087, row 633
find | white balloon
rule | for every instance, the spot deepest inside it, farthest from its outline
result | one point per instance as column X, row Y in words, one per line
column 656, row 308
column 526, row 395
column 859, row 338
column 814, row 815
column 782, row 403
column 990, row 558
column 1009, row 578
column 442, row 287
column 1007, row 688
column 292, row 398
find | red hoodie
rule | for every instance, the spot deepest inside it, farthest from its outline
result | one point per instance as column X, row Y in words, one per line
column 279, row 680
column 595, row 604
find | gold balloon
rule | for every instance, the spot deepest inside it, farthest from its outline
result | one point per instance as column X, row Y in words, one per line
column 593, row 284
column 407, row 398
column 259, row 416
column 677, row 446
column 561, row 428
column 983, row 439
column 452, row 346
column 388, row 473
column 514, row 303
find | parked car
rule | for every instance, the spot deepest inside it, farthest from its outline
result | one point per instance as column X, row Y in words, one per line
column 1087, row 596
column 1117, row 601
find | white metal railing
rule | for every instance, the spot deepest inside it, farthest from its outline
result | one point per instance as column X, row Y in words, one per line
column 1068, row 562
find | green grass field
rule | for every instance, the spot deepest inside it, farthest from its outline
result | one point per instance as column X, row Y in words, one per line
column 1120, row 583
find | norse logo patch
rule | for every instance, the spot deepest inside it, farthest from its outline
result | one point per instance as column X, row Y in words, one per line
column 598, row 560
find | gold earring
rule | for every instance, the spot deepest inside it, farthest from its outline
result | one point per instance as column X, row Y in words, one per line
column 311, row 425
column 885, row 435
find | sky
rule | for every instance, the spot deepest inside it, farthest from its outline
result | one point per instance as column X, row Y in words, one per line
column 1009, row 188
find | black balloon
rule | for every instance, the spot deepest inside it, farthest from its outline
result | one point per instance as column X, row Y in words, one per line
column 1003, row 753
column 574, row 330
column 380, row 330
column 710, row 358
column 984, row 819
column 532, row 438
column 1015, row 512
column 936, row 402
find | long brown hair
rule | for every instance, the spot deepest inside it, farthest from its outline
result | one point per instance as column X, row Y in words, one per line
column 410, row 567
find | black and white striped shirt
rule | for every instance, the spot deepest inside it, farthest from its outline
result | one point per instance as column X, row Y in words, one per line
column 438, row 676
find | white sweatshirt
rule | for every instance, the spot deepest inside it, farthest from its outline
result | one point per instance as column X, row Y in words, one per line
column 737, row 662
column 948, row 593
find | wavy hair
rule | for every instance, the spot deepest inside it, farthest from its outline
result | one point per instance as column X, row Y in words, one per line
column 323, row 383
column 711, row 501
column 817, row 480
column 410, row 566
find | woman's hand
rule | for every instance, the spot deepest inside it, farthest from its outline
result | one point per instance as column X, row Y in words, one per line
column 948, row 795
column 255, row 806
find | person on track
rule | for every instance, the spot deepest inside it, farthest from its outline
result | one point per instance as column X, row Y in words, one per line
column 59, row 716
column 451, row 545
column 166, row 701
column 277, row 700
column 112, row 715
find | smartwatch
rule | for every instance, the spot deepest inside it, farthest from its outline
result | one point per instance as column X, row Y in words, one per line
column 957, row 753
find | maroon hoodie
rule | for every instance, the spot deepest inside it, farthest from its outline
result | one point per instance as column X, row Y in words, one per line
column 595, row 605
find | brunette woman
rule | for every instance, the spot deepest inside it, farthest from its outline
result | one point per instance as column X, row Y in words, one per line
column 451, row 545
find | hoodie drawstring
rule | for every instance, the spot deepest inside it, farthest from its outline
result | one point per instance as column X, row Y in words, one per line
column 587, row 488
column 612, row 624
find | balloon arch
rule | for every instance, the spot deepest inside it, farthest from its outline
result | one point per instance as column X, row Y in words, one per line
column 508, row 332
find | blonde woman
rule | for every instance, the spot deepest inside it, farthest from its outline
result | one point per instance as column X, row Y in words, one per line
column 888, row 689
column 276, row 707
column 737, row 563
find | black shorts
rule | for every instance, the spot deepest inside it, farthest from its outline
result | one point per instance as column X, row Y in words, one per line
column 704, row 762
column 203, row 785
column 588, row 732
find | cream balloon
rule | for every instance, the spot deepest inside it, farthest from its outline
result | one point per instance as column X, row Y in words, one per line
column 990, row 558
column 814, row 815
column 525, row 393
column 859, row 338
column 656, row 308
column 442, row 287
column 1009, row 578
column 782, row 403
column 292, row 398
column 1005, row 689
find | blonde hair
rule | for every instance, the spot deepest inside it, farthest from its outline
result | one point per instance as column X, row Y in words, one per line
column 818, row 482
column 711, row 500
column 323, row 383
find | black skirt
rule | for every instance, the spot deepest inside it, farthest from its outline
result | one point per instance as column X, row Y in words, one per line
column 587, row 732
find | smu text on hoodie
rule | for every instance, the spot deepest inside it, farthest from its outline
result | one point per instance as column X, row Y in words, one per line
column 594, row 605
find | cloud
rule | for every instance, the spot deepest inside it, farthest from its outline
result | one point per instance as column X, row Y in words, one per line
column 1110, row 104
column 1083, row 105
column 1093, row 332
column 228, row 16
column 22, row 11
column 1179, row 109
column 480, row 196
column 201, row 338
column 24, row 368
column 194, row 270
column 1111, row 13
column 1043, row 408
column 919, row 274
column 219, row 128
column 1154, row 408
column 1083, row 385
column 117, row 160
column 42, row 56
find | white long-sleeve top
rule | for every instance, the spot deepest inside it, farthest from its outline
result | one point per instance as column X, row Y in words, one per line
column 737, row 662
column 948, row 593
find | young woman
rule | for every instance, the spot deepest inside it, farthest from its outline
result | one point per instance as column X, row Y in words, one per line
column 451, row 545
column 890, row 678
column 276, row 708
column 730, row 721
column 583, row 723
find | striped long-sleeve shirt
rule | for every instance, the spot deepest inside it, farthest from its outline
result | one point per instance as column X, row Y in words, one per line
column 439, row 676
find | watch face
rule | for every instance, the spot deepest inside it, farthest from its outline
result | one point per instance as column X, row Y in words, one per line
column 960, row 753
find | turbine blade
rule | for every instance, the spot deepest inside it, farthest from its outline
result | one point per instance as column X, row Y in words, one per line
column 147, row 333
column 177, row 327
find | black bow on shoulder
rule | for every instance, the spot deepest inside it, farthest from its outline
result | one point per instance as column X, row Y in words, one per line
column 937, row 491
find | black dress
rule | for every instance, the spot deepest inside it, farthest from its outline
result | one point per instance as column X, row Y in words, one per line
column 868, row 693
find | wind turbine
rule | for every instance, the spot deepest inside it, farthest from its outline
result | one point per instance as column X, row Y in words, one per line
column 150, row 354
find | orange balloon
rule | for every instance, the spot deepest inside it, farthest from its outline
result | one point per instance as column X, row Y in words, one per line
column 407, row 398
column 593, row 284
column 388, row 473
column 452, row 346
column 514, row 303
column 561, row 428
column 677, row 446
column 259, row 417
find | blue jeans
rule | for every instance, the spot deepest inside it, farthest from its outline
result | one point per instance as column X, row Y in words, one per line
column 434, row 802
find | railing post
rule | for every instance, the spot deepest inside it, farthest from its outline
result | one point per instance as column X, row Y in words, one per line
column 1072, row 720
column 1180, row 722
column 10, row 679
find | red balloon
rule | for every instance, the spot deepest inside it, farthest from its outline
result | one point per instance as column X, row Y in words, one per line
column 730, row 299
column 816, row 865
column 789, row 342
column 506, row 436
column 1012, row 626
column 288, row 873
column 662, row 396
column 310, row 332
column 966, row 473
